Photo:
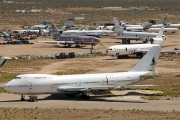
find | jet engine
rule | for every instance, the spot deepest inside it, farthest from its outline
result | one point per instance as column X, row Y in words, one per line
column 156, row 40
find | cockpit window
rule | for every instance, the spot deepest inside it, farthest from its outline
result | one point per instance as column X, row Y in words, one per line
column 17, row 78
column 110, row 49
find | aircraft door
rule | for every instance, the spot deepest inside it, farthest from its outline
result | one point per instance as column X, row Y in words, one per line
column 79, row 83
column 111, row 80
column 104, row 81
column 30, row 87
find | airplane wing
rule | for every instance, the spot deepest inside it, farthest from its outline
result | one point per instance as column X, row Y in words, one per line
column 170, row 51
column 81, row 89
column 60, row 42
column 162, row 51
column 169, row 45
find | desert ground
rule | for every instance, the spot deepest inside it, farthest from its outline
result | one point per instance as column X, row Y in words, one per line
column 121, row 101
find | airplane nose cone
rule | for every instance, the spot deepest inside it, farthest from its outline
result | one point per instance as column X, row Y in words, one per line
column 6, row 87
column 9, row 86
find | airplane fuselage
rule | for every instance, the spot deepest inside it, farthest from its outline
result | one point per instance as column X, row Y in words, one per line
column 77, row 39
column 43, row 83
column 88, row 32
column 129, row 49
column 165, row 29
column 139, row 35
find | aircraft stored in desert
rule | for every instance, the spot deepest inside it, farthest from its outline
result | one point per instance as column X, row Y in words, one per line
column 138, row 49
column 162, row 24
column 170, row 30
column 125, row 50
column 68, row 40
column 145, row 36
column 89, row 32
column 34, row 84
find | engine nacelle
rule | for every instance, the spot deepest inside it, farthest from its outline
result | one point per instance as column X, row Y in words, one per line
column 156, row 40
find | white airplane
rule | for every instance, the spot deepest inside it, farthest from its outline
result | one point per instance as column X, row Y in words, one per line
column 170, row 30
column 34, row 84
column 138, row 49
column 110, row 27
column 35, row 29
column 165, row 23
column 162, row 24
column 145, row 36
column 128, row 27
column 88, row 32
column 174, row 25
column 130, row 49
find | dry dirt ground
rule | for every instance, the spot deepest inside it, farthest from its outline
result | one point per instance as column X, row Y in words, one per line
column 95, row 65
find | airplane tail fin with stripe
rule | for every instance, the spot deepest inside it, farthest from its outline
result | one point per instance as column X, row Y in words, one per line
column 149, row 61
column 53, row 25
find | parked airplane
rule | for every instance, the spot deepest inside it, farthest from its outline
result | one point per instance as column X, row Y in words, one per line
column 128, row 27
column 85, row 32
column 88, row 32
column 34, row 84
column 130, row 49
column 138, row 49
column 166, row 24
column 145, row 36
column 174, row 25
column 171, row 30
column 78, row 40
column 35, row 29
column 109, row 27
column 161, row 24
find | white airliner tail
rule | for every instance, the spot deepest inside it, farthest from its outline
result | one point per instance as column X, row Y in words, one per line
column 81, row 28
column 165, row 19
column 149, row 61
column 160, row 33
column 63, row 28
column 116, row 22
column 160, row 37
column 86, row 27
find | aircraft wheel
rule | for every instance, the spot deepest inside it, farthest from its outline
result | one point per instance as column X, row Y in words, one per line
column 71, row 95
column 22, row 99
column 128, row 41
column 119, row 57
column 69, row 45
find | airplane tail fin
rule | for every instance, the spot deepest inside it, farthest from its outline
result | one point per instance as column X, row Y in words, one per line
column 159, row 38
column 6, row 36
column 116, row 22
column 86, row 27
column 160, row 33
column 149, row 61
column 63, row 28
column 81, row 28
column 119, row 30
column 53, row 25
column 165, row 19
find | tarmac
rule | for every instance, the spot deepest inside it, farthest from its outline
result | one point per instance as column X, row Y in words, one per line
column 127, row 102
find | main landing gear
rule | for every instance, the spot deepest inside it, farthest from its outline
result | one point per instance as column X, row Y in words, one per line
column 32, row 98
column 81, row 94
column 92, row 50
column 22, row 97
